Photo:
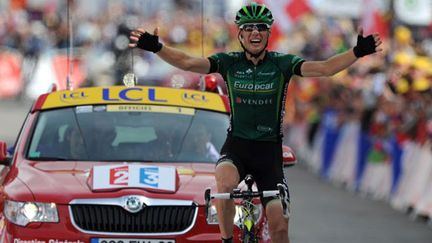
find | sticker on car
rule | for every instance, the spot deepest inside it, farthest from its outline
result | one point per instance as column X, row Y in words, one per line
column 151, row 108
column 159, row 178
column 135, row 95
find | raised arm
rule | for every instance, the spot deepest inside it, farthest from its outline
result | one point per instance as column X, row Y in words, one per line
column 142, row 39
column 365, row 46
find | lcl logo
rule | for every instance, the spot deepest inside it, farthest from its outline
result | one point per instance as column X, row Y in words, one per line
column 73, row 96
column 195, row 98
column 131, row 94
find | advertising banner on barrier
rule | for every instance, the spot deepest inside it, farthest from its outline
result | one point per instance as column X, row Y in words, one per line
column 420, row 177
column 423, row 201
column 344, row 164
column 399, row 199
column 381, row 168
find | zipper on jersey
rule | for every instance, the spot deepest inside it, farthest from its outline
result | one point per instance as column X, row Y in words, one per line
column 254, row 97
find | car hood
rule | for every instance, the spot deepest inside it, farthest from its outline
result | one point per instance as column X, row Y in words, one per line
column 61, row 182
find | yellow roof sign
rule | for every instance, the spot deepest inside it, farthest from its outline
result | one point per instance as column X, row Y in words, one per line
column 134, row 95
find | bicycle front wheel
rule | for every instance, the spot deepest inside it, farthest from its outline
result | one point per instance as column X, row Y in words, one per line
column 249, row 237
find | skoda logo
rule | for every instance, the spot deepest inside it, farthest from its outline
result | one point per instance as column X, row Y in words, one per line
column 133, row 204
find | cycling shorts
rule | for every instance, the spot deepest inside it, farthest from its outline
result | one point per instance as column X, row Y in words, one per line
column 261, row 159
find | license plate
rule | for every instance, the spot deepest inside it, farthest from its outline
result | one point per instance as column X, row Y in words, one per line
column 106, row 240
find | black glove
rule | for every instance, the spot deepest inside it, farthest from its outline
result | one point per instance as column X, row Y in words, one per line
column 149, row 42
column 365, row 46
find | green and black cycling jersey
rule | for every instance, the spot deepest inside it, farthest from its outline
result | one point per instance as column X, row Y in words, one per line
column 256, row 92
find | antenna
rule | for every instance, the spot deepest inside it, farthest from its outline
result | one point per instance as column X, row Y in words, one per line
column 202, row 83
column 202, row 28
column 130, row 79
column 69, row 49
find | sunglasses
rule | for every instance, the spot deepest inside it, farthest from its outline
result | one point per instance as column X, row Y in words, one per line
column 251, row 27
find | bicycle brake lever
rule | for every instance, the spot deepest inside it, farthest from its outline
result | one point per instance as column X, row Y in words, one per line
column 283, row 195
column 207, row 200
column 207, row 195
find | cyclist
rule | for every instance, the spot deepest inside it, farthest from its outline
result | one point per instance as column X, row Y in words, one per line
column 257, row 80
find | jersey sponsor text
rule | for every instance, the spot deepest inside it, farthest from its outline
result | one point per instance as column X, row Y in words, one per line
column 254, row 87
column 249, row 101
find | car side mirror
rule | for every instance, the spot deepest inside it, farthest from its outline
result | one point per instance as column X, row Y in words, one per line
column 288, row 156
column 4, row 158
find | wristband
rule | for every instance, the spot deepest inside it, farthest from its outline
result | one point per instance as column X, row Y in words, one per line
column 365, row 46
column 149, row 42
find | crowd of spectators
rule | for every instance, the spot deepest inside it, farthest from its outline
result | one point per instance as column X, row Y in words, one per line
column 389, row 93
column 361, row 123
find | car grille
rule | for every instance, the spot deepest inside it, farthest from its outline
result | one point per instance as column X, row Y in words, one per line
column 115, row 219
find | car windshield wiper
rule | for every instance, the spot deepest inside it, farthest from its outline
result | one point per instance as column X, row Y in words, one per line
column 49, row 158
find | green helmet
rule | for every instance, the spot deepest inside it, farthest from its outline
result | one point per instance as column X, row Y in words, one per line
column 254, row 13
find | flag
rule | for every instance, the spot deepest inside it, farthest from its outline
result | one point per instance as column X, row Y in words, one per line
column 54, row 69
column 61, row 68
column 296, row 9
column 373, row 18
column 11, row 82
column 286, row 14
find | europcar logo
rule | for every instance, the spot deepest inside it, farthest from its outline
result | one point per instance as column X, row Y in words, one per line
column 253, row 87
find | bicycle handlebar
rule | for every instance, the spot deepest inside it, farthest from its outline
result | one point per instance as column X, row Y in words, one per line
column 281, row 193
column 244, row 194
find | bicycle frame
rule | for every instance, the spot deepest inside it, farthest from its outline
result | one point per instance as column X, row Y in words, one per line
column 247, row 223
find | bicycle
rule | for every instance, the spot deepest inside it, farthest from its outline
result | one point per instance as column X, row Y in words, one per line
column 246, row 213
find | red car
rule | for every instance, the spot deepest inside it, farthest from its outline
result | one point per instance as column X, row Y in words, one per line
column 115, row 165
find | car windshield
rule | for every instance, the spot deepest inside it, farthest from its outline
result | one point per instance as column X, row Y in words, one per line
column 128, row 133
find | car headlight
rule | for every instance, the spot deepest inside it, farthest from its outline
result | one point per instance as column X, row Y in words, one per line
column 23, row 213
column 212, row 214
